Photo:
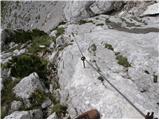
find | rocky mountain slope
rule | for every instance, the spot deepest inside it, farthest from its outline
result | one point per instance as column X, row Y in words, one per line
column 43, row 75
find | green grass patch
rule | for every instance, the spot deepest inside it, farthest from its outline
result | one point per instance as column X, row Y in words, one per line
column 108, row 46
column 21, row 36
column 37, row 98
column 37, row 32
column 5, row 65
column 59, row 109
column 53, row 98
column 7, row 95
column 40, row 41
column 123, row 61
column 4, row 110
column 60, row 31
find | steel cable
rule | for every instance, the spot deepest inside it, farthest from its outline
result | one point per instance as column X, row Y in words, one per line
column 94, row 68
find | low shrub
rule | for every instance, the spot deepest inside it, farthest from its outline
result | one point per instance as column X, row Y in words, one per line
column 108, row 46
column 37, row 41
column 60, row 31
column 21, row 36
column 37, row 98
column 123, row 61
column 7, row 95
column 59, row 109
column 25, row 64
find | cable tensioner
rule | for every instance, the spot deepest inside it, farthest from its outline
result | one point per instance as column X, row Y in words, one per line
column 83, row 60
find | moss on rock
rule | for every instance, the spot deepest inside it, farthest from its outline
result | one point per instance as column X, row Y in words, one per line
column 109, row 46
column 59, row 109
column 123, row 61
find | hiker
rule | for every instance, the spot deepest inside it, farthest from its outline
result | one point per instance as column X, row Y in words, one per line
column 91, row 114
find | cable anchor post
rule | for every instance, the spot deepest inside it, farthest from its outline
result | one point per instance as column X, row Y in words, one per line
column 83, row 60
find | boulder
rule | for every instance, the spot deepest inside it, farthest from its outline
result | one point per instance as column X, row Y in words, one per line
column 52, row 45
column 6, row 57
column 100, row 7
column 32, row 114
column 53, row 116
column 19, row 115
column 60, row 41
column 76, row 10
column 27, row 86
column 18, row 52
column 151, row 10
column 46, row 103
column 49, row 110
column 16, row 105
column 53, row 33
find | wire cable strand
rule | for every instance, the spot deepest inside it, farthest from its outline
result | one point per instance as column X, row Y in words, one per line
column 78, row 45
column 116, row 89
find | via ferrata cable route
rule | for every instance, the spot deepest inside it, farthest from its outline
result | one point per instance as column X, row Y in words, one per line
column 83, row 58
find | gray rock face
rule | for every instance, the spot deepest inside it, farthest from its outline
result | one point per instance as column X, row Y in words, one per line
column 19, row 115
column 76, row 10
column 47, row 15
column 135, row 8
column 27, row 86
column 52, row 116
column 32, row 114
column 43, row 15
column 100, row 7
column 16, row 105
column 80, row 87
column 152, row 10
column 19, row 52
